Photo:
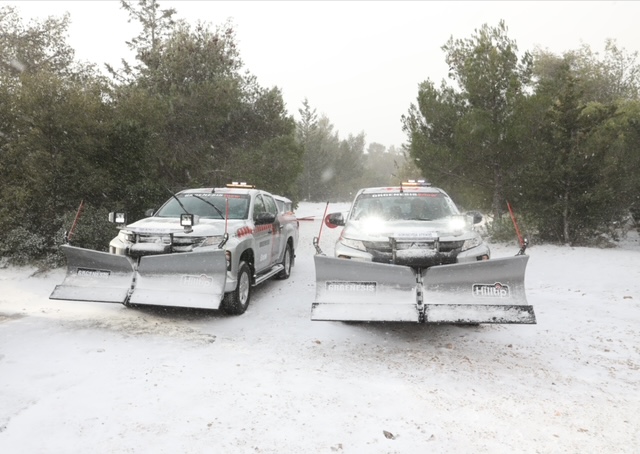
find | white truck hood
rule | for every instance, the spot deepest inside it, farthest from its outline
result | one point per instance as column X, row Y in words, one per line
column 203, row 227
column 376, row 230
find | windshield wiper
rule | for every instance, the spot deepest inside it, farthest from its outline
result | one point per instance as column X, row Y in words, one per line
column 177, row 200
column 197, row 197
column 211, row 204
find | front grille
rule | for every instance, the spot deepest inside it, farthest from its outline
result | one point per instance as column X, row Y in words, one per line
column 450, row 246
column 417, row 254
column 382, row 246
column 163, row 244
column 385, row 246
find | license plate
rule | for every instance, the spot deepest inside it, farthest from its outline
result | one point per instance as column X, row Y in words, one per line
column 416, row 237
column 86, row 272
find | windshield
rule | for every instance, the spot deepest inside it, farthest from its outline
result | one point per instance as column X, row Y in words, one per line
column 398, row 206
column 203, row 205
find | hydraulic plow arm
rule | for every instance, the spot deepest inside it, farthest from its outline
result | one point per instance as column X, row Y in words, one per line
column 491, row 291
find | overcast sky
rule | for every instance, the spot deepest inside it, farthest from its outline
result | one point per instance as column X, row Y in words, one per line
column 359, row 62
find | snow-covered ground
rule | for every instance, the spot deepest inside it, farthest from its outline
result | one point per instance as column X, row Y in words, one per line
column 101, row 378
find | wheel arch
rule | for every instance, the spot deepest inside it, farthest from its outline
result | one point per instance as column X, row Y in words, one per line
column 291, row 243
column 248, row 257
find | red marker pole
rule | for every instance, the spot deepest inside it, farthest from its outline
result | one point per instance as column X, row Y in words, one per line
column 75, row 221
column 515, row 224
column 316, row 240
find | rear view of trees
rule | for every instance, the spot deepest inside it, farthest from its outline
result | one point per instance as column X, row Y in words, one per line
column 52, row 126
column 464, row 138
column 183, row 115
column 555, row 135
column 218, row 123
column 581, row 177
column 334, row 168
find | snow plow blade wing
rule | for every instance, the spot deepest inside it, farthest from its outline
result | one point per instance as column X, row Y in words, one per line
column 191, row 279
column 94, row 276
column 490, row 291
column 349, row 290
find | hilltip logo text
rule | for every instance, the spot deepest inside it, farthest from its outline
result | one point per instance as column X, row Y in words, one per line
column 197, row 281
column 496, row 290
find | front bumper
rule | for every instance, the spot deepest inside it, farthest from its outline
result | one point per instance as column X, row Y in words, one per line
column 117, row 247
column 416, row 255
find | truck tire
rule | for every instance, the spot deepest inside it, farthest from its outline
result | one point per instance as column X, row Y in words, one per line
column 237, row 301
column 287, row 262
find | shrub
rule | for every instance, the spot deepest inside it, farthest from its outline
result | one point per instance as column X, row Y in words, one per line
column 22, row 246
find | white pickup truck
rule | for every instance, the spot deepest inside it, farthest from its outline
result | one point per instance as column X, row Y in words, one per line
column 203, row 248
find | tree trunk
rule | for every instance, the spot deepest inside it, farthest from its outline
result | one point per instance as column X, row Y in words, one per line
column 565, row 216
column 498, row 196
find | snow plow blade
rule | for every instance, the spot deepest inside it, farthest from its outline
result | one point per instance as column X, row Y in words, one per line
column 95, row 276
column 349, row 290
column 490, row 291
column 193, row 279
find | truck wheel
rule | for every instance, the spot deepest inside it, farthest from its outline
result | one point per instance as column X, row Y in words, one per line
column 287, row 262
column 236, row 302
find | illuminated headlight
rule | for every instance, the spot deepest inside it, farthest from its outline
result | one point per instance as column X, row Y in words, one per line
column 471, row 243
column 353, row 244
column 457, row 223
column 373, row 225
column 126, row 236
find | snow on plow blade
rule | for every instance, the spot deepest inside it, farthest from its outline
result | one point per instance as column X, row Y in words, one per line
column 193, row 279
column 94, row 276
column 490, row 291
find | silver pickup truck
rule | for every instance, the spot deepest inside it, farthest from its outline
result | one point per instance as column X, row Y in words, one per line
column 203, row 248
column 407, row 254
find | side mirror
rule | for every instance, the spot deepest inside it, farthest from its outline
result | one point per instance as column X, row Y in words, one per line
column 149, row 212
column 334, row 220
column 265, row 218
column 477, row 216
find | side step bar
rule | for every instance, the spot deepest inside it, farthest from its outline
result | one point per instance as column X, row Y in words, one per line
column 272, row 272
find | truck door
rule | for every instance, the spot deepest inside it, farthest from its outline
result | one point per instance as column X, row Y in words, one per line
column 263, row 235
column 277, row 237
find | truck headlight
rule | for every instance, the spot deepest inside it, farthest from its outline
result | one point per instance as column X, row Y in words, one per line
column 471, row 243
column 126, row 236
column 458, row 223
column 353, row 244
column 212, row 241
